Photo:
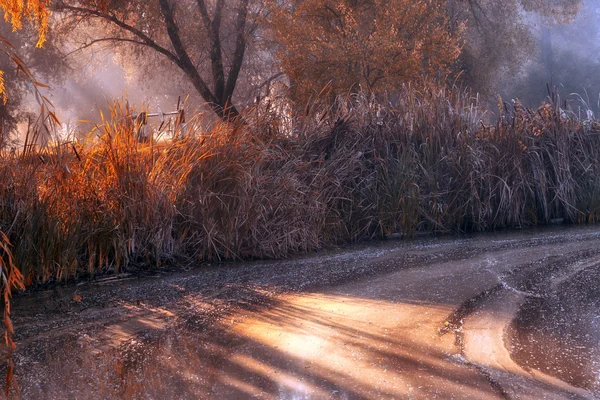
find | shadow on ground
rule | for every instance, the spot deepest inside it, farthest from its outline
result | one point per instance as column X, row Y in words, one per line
column 245, row 334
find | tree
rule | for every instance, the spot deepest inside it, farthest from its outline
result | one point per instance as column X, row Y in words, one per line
column 498, row 39
column 28, row 23
column 567, row 58
column 14, row 12
column 374, row 44
column 207, row 41
column 36, row 11
column 46, row 64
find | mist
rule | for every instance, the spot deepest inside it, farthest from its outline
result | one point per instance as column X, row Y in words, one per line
column 82, row 98
column 566, row 60
column 559, row 56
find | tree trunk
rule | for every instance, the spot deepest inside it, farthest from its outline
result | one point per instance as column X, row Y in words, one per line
column 547, row 53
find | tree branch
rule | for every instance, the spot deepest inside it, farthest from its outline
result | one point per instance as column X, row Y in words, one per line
column 111, row 39
column 113, row 19
column 240, row 49
column 216, row 56
column 186, row 63
column 220, row 100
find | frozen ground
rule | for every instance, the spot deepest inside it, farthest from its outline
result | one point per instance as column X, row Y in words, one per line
column 507, row 315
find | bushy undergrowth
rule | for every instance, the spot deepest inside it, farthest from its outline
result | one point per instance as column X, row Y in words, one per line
column 268, row 187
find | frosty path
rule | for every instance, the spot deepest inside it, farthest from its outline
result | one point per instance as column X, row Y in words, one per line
column 509, row 315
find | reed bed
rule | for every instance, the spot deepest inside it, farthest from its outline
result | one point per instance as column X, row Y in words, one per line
column 428, row 160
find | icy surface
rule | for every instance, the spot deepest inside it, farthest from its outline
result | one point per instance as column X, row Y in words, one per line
column 485, row 316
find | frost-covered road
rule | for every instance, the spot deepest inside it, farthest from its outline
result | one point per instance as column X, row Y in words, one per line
column 510, row 315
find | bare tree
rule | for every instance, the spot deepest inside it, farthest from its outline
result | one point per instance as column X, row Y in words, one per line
column 205, row 39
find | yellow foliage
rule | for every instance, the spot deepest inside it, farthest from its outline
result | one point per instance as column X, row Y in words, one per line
column 15, row 11
column 3, row 88
column 37, row 11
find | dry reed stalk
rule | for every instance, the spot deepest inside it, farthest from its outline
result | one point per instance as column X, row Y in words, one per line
column 357, row 169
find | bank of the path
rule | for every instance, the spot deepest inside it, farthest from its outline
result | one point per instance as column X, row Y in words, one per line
column 507, row 315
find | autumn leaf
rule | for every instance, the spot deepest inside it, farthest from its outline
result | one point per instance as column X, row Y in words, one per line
column 345, row 45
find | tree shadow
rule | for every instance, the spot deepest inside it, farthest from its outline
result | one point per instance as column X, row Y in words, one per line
column 225, row 336
column 313, row 345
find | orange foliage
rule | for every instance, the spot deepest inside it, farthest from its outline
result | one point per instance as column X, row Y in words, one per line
column 3, row 88
column 377, row 44
column 36, row 11
column 11, row 279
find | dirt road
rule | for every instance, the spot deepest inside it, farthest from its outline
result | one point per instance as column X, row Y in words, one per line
column 509, row 315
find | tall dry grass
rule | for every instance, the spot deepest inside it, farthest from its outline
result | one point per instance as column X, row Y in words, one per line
column 273, row 186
